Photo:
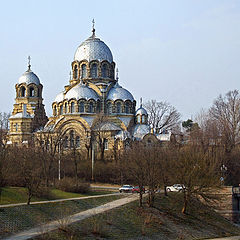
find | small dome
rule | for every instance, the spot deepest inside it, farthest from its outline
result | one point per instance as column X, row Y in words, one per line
column 140, row 131
column 93, row 49
column 118, row 92
column 29, row 77
column 141, row 111
column 82, row 91
column 59, row 97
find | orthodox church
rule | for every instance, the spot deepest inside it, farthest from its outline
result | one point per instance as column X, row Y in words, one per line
column 92, row 102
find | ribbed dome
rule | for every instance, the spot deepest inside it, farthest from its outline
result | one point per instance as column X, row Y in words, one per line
column 141, row 111
column 81, row 91
column 59, row 97
column 93, row 49
column 118, row 92
column 29, row 77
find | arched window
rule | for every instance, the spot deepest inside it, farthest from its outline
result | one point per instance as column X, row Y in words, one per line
column 105, row 143
column 77, row 142
column 91, row 107
column 104, row 71
column 93, row 71
column 119, row 107
column 138, row 119
column 84, row 71
column 71, row 139
column 98, row 107
column 127, row 107
column 81, row 107
column 23, row 91
column 109, row 108
column 65, row 142
column 61, row 110
column 65, row 108
column 72, row 107
column 38, row 91
column 31, row 92
column 75, row 72
column 55, row 110
column 143, row 119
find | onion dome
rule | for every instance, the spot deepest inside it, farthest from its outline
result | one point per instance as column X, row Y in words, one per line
column 141, row 111
column 81, row 91
column 118, row 92
column 29, row 77
column 140, row 131
column 59, row 97
column 93, row 49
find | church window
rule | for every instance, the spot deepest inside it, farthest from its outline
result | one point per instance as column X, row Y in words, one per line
column 71, row 139
column 16, row 127
column 66, row 108
column 109, row 108
column 77, row 141
column 138, row 119
column 98, row 107
column 75, row 72
column 23, row 91
column 65, row 142
column 91, row 107
column 81, row 107
column 118, row 107
column 105, row 143
column 38, row 91
column 143, row 119
column 61, row 109
column 84, row 71
column 104, row 71
column 93, row 71
column 31, row 92
column 72, row 107
column 127, row 107
column 55, row 110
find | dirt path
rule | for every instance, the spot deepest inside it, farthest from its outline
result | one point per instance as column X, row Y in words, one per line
column 71, row 219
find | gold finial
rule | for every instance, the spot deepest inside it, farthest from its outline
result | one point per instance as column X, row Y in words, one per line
column 117, row 74
column 93, row 29
column 29, row 63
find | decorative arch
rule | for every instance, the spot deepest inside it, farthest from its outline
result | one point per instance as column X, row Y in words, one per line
column 83, row 70
column 31, row 91
column 94, row 70
column 75, row 72
column 22, row 91
column 104, row 70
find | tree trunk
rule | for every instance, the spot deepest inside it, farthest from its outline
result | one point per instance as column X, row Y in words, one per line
column 165, row 190
column 29, row 196
column 185, row 202
column 140, row 199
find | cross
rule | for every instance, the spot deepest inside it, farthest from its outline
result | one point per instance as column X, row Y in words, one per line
column 93, row 22
column 93, row 29
column 29, row 60
column 140, row 102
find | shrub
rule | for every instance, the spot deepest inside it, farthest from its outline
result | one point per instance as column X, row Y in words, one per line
column 72, row 185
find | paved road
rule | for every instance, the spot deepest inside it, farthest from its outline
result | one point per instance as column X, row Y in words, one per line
column 226, row 238
column 71, row 219
column 57, row 200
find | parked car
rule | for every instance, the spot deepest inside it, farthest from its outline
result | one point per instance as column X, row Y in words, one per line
column 175, row 188
column 126, row 188
column 136, row 189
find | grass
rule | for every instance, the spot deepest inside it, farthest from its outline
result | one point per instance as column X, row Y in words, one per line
column 23, row 217
column 164, row 221
column 19, row 195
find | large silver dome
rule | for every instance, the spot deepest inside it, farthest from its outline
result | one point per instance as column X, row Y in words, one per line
column 118, row 92
column 82, row 91
column 29, row 77
column 59, row 97
column 93, row 49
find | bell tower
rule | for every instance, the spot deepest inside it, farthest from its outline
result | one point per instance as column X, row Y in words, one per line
column 28, row 111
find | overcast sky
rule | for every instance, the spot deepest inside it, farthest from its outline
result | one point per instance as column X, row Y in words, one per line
column 179, row 51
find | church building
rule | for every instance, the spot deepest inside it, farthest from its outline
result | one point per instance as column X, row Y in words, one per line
column 93, row 108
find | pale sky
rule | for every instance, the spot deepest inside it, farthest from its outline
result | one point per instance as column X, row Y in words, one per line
column 179, row 51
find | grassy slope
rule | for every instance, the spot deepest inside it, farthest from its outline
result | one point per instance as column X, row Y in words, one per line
column 20, row 218
column 165, row 221
column 19, row 195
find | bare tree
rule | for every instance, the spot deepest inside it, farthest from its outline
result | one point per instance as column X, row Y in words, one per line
column 162, row 115
column 226, row 113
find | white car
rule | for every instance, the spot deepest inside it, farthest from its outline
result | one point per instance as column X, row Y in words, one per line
column 126, row 188
column 175, row 188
